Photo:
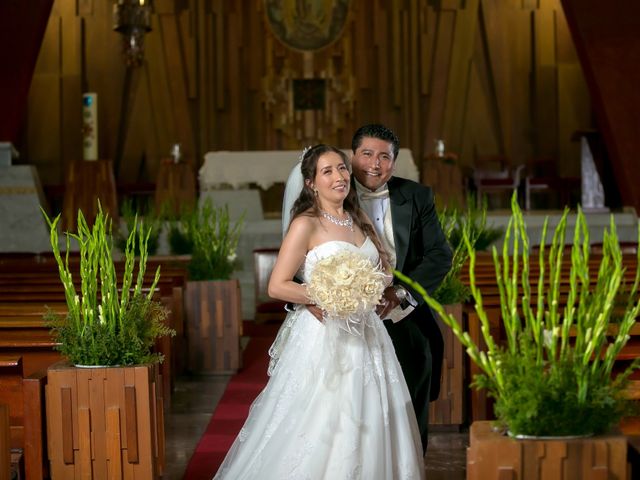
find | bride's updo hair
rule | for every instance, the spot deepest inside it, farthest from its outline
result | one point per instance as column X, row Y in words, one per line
column 307, row 201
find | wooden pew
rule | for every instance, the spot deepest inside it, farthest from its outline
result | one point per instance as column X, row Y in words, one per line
column 24, row 395
column 35, row 279
column 23, row 332
column 26, row 271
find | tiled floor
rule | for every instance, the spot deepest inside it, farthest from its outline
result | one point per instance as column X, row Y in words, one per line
column 194, row 400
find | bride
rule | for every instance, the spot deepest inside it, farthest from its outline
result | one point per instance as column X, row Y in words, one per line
column 336, row 405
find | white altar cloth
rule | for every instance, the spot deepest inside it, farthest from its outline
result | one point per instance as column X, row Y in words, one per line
column 268, row 167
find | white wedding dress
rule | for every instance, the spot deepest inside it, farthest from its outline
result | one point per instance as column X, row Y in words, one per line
column 336, row 406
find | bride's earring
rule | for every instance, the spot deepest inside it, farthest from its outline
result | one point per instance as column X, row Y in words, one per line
column 315, row 192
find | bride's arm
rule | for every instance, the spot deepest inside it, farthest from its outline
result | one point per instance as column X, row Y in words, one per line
column 292, row 254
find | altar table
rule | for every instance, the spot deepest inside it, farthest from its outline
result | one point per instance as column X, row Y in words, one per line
column 265, row 168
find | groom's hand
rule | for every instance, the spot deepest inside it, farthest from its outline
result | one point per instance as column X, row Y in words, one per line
column 315, row 310
column 389, row 302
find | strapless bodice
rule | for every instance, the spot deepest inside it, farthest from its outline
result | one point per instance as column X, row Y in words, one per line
column 332, row 247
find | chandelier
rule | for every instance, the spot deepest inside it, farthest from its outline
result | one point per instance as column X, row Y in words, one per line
column 132, row 18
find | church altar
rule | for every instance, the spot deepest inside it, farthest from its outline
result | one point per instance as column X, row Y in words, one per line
column 22, row 226
column 266, row 168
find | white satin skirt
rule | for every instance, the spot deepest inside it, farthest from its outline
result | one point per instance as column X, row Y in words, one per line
column 336, row 407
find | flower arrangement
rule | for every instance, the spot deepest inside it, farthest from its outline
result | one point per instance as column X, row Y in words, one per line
column 472, row 225
column 475, row 222
column 180, row 234
column 107, row 324
column 215, row 240
column 346, row 286
column 451, row 290
column 554, row 376
column 151, row 222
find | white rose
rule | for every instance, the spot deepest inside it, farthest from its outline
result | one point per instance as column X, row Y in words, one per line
column 344, row 275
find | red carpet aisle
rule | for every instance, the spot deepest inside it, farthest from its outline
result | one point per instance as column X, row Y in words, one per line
column 233, row 408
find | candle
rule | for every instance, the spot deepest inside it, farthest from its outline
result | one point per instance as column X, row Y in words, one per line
column 90, row 126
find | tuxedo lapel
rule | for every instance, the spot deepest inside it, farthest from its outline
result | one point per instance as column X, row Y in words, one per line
column 401, row 217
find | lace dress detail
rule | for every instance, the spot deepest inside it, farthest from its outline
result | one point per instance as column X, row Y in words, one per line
column 336, row 405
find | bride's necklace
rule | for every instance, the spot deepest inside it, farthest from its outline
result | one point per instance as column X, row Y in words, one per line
column 347, row 222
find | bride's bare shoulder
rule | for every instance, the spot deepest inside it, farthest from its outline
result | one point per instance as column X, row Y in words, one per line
column 303, row 227
column 305, row 220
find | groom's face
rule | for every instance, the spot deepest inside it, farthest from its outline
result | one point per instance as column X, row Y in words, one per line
column 373, row 162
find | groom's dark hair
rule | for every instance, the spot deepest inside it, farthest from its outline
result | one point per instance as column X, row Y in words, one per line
column 376, row 130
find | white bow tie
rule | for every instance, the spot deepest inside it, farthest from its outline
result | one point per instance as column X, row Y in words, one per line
column 372, row 195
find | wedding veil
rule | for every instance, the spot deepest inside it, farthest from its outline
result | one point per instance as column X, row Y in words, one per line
column 292, row 190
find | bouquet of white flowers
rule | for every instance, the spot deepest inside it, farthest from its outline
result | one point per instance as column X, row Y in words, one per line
column 347, row 286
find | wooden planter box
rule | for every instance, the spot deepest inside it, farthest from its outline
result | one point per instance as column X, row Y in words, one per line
column 105, row 423
column 449, row 409
column 492, row 455
column 214, row 325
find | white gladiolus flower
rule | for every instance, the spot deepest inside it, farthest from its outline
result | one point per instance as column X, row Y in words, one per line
column 548, row 335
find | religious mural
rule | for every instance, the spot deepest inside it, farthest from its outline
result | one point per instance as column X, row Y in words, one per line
column 307, row 24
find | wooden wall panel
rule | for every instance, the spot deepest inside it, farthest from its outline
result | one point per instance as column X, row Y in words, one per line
column 43, row 124
column 175, row 72
column 104, row 73
column 571, row 113
column 608, row 45
column 497, row 43
column 487, row 76
column 461, row 55
column 442, row 47
column 518, row 138
column 156, row 112
column 70, row 83
column 545, row 126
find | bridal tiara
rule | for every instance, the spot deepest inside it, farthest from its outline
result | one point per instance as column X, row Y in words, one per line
column 304, row 152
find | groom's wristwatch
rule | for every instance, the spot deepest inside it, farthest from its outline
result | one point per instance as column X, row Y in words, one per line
column 402, row 295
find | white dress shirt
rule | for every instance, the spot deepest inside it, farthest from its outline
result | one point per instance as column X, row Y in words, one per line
column 376, row 205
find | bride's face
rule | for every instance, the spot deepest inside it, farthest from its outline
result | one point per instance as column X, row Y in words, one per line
column 332, row 178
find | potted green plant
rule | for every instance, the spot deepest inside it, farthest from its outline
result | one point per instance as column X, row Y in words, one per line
column 554, row 374
column 109, row 392
column 108, row 322
column 475, row 221
column 452, row 293
column 181, row 231
column 212, row 298
column 151, row 222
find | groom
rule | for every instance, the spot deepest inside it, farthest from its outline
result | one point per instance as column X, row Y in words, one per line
column 405, row 219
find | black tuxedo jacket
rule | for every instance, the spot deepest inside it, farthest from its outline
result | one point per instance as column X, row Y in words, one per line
column 423, row 254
